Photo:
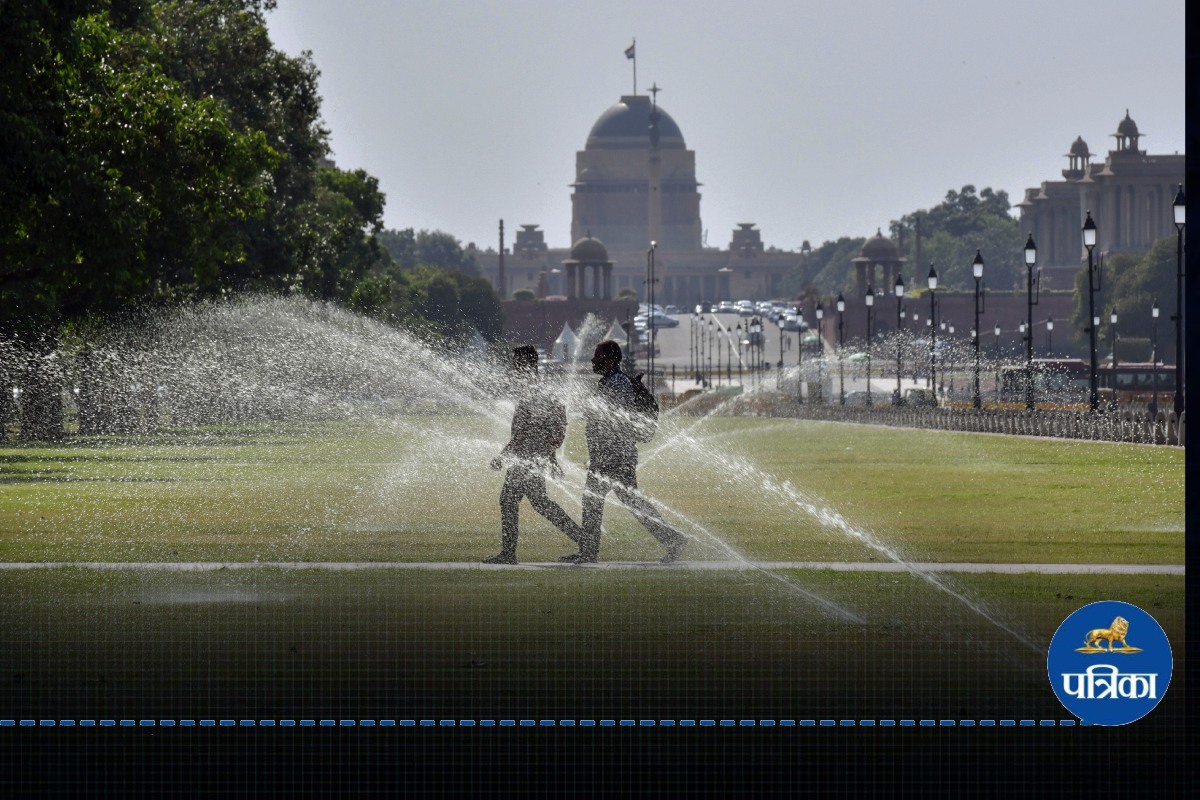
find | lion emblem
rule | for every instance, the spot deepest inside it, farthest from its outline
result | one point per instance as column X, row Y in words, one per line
column 1118, row 631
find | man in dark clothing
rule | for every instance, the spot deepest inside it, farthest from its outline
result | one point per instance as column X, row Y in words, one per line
column 612, row 460
column 539, row 426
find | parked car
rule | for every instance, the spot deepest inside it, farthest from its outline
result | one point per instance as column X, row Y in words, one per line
column 670, row 309
column 920, row 397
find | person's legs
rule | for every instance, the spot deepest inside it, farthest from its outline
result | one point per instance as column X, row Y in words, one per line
column 510, row 503
column 594, row 489
column 649, row 516
column 552, row 511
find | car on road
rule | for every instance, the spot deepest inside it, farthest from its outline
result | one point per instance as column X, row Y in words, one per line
column 642, row 321
column 745, row 308
column 670, row 309
column 726, row 307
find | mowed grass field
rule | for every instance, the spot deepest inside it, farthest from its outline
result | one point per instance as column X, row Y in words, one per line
column 419, row 489
column 572, row 642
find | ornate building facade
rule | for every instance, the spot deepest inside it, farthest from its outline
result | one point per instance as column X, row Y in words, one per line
column 635, row 182
column 1129, row 194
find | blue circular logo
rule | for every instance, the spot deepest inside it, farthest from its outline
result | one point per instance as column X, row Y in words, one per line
column 1109, row 663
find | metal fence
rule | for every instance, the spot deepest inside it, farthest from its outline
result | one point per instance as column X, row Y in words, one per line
column 1133, row 424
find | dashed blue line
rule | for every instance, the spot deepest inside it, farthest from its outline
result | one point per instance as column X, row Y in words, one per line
column 541, row 723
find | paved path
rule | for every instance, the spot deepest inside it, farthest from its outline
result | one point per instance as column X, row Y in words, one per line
column 836, row 566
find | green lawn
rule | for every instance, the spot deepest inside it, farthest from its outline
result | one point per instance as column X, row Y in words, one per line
column 569, row 642
column 419, row 489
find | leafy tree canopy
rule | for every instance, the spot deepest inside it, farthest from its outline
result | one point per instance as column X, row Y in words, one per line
column 1132, row 284
column 428, row 248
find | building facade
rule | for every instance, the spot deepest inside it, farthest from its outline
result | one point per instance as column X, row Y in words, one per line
column 635, row 183
column 1129, row 194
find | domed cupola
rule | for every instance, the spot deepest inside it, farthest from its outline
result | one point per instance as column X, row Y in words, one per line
column 1127, row 137
column 626, row 125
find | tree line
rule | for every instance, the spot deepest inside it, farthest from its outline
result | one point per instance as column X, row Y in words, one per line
column 968, row 220
column 162, row 152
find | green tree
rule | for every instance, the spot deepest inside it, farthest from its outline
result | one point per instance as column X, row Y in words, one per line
column 951, row 233
column 827, row 268
column 428, row 248
column 1132, row 283
column 221, row 49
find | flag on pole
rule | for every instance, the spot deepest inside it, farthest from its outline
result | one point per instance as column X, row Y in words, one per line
column 629, row 50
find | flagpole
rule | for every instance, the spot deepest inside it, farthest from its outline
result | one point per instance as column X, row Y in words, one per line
column 635, row 65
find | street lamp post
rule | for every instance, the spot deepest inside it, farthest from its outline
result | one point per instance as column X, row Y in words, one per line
column 1089, row 241
column 996, row 331
column 1112, row 369
column 709, row 352
column 932, row 279
column 841, row 309
column 692, row 343
column 742, row 373
column 899, row 288
column 977, row 271
column 1154, row 361
column 650, row 280
column 870, row 299
column 717, row 346
column 1049, row 337
column 799, row 353
column 756, row 346
column 1030, row 260
column 779, row 372
column 820, row 314
column 728, row 358
column 950, row 368
column 1179, row 207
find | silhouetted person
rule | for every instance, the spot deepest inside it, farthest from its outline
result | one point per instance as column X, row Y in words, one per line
column 539, row 425
column 612, row 460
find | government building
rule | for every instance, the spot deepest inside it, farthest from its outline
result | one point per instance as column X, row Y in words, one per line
column 1129, row 194
column 635, row 183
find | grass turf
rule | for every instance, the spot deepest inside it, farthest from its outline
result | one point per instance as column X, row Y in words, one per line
column 418, row 489
column 570, row 642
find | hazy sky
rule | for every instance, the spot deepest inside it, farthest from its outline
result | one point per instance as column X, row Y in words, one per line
column 812, row 120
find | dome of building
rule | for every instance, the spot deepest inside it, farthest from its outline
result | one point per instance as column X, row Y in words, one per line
column 880, row 248
column 1127, row 127
column 1079, row 148
column 589, row 250
column 626, row 124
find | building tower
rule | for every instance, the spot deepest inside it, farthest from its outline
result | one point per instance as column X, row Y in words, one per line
column 612, row 191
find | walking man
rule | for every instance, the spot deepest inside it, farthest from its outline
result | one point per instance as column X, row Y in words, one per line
column 611, row 435
column 539, row 426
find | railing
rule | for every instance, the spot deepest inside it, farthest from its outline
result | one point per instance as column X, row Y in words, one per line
column 1121, row 425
